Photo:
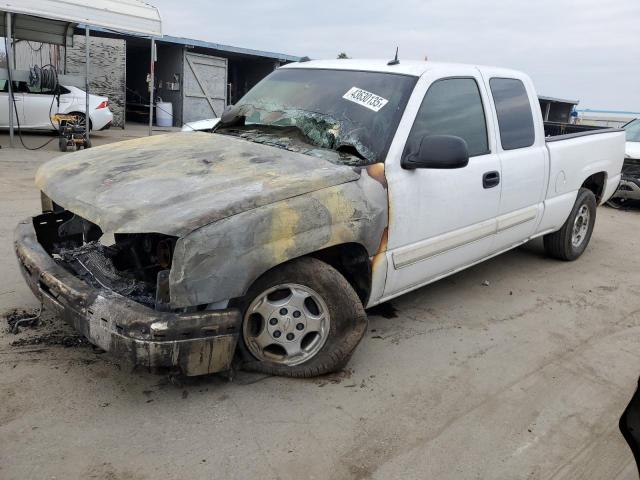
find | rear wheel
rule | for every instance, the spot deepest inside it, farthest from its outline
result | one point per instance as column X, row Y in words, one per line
column 81, row 120
column 301, row 319
column 572, row 239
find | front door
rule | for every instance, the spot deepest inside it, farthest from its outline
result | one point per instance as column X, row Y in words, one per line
column 442, row 220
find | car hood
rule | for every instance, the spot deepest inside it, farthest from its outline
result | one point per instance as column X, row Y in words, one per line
column 176, row 183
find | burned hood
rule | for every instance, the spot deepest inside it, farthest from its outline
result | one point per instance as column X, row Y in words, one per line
column 176, row 183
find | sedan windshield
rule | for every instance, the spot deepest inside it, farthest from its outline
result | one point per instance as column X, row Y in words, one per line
column 349, row 111
column 632, row 130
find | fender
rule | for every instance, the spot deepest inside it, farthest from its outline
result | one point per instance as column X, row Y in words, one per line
column 221, row 260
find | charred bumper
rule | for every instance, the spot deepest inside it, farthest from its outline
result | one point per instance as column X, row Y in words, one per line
column 197, row 343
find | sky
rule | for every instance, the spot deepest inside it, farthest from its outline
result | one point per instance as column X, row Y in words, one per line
column 587, row 50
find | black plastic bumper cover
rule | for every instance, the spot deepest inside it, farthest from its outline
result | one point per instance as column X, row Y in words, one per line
column 197, row 343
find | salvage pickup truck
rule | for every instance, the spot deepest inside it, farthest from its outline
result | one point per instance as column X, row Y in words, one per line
column 332, row 186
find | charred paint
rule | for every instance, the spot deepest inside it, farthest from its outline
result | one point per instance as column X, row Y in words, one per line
column 238, row 207
column 220, row 261
column 197, row 343
column 376, row 171
column 176, row 183
column 382, row 250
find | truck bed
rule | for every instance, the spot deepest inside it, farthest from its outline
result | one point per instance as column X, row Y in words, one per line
column 554, row 131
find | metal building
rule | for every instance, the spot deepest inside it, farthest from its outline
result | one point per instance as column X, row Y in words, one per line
column 198, row 78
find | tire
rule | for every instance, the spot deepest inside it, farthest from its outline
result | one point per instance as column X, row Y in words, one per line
column 572, row 239
column 62, row 144
column 318, row 346
column 87, row 143
column 617, row 203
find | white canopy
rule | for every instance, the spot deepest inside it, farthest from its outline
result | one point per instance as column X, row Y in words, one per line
column 132, row 16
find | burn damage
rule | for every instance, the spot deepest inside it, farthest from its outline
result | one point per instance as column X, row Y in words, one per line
column 196, row 343
column 220, row 261
column 323, row 131
column 133, row 266
column 236, row 205
column 141, row 238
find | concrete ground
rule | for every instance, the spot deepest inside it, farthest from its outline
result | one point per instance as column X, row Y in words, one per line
column 525, row 377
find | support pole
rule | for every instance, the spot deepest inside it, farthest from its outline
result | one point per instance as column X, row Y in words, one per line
column 9, row 36
column 87, row 120
column 151, row 83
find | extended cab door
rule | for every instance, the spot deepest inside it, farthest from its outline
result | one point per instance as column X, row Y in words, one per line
column 442, row 220
column 522, row 152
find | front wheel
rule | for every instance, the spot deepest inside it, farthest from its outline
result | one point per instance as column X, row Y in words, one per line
column 301, row 319
column 572, row 239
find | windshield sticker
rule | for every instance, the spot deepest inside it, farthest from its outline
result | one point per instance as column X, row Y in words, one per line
column 366, row 99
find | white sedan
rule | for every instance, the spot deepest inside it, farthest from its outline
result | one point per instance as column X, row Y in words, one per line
column 35, row 107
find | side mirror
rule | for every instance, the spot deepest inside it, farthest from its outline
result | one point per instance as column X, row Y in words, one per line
column 438, row 151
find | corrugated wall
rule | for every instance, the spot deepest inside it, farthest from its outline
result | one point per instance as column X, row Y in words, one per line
column 107, row 73
column 108, row 66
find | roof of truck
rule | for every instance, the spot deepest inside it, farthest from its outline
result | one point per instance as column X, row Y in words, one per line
column 405, row 67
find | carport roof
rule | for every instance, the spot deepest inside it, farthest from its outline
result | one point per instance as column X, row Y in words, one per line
column 191, row 42
column 228, row 48
column 132, row 16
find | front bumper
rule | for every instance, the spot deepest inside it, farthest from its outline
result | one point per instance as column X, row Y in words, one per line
column 196, row 343
column 629, row 188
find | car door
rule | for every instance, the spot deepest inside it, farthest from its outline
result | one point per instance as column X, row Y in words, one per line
column 39, row 106
column 523, row 156
column 442, row 220
column 4, row 104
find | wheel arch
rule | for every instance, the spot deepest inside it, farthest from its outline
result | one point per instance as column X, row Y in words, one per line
column 81, row 112
column 350, row 259
column 597, row 183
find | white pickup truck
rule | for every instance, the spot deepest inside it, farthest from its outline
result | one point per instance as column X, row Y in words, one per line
column 332, row 186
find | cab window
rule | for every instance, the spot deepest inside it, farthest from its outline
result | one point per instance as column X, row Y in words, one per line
column 515, row 120
column 451, row 106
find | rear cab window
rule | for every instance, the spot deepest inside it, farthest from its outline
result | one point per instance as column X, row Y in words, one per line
column 451, row 106
column 515, row 118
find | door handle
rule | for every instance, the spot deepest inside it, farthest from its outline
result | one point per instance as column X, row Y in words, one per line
column 490, row 179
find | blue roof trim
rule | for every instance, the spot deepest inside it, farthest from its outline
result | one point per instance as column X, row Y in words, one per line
column 623, row 112
column 228, row 48
column 204, row 44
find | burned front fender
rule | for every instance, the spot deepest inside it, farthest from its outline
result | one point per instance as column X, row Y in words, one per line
column 221, row 260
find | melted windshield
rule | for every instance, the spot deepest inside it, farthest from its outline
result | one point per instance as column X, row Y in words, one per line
column 632, row 130
column 352, row 112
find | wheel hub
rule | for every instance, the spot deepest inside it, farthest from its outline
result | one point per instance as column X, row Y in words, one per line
column 286, row 324
column 580, row 226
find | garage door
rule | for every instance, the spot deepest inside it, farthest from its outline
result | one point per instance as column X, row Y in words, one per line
column 205, row 86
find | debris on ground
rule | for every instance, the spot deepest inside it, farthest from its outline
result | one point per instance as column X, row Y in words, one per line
column 53, row 338
column 486, row 283
column 385, row 310
column 334, row 378
column 21, row 317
